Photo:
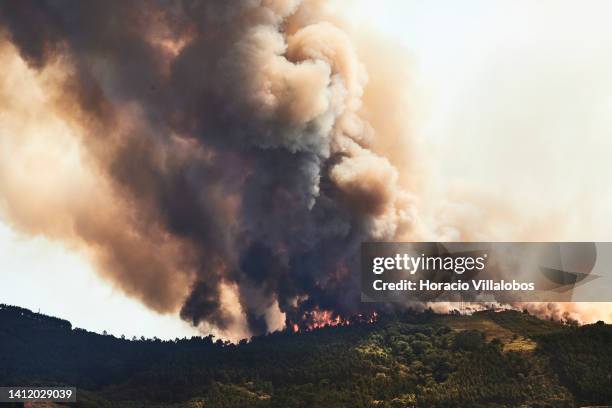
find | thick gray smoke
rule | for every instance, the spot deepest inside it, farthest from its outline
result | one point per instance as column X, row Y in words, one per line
column 230, row 146
column 221, row 159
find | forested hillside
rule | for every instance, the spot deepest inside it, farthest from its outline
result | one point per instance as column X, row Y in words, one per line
column 489, row 359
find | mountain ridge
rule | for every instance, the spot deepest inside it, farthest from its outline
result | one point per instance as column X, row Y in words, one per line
column 408, row 359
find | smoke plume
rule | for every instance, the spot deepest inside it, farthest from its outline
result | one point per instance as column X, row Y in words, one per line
column 221, row 159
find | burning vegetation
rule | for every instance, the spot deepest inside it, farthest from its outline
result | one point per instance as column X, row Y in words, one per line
column 223, row 160
column 317, row 319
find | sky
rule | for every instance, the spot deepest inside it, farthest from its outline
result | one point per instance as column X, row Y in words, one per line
column 515, row 99
column 518, row 97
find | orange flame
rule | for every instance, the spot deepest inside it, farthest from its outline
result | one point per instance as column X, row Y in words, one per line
column 317, row 319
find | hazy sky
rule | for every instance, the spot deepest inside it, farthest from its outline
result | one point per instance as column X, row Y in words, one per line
column 516, row 98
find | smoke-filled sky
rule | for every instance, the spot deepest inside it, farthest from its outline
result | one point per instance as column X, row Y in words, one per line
column 222, row 163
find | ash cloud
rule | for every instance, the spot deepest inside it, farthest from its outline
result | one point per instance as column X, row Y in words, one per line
column 228, row 144
column 222, row 159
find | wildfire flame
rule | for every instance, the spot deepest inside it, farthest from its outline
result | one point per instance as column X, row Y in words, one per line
column 317, row 319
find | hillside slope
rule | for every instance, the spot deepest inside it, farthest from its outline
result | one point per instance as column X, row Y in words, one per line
column 504, row 359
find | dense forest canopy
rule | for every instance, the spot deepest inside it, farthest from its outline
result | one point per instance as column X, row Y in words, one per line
column 501, row 359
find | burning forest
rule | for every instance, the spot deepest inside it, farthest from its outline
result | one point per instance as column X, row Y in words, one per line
column 219, row 160
column 232, row 166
